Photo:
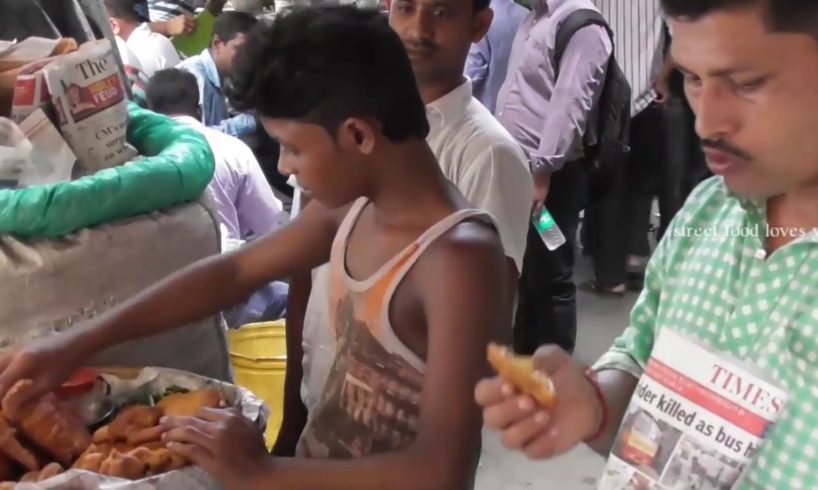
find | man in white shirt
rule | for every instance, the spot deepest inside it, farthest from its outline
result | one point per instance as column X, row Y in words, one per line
column 153, row 51
column 245, row 203
column 475, row 152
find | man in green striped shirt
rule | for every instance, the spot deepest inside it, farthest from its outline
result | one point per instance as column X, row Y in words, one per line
column 738, row 269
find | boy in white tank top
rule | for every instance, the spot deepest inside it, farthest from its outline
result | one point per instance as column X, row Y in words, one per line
column 417, row 288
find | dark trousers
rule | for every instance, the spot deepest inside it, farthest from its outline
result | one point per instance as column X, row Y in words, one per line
column 666, row 161
column 604, row 230
column 617, row 218
column 547, row 310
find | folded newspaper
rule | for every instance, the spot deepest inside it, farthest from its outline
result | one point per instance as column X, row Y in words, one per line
column 129, row 382
column 89, row 96
column 696, row 420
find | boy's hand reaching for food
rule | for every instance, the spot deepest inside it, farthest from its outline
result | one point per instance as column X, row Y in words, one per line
column 574, row 415
column 46, row 362
column 223, row 442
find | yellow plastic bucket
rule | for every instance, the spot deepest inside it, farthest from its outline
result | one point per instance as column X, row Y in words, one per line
column 258, row 353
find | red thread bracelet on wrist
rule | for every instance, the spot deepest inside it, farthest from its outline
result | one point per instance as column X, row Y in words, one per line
column 590, row 375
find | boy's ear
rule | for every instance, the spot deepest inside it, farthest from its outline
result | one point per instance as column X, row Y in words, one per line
column 356, row 134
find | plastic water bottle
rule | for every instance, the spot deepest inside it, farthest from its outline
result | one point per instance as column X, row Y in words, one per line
column 549, row 231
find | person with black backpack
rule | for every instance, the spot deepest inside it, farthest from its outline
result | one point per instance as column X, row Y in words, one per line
column 618, row 215
column 551, row 105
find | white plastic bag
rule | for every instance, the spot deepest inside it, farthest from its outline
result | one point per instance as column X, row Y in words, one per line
column 15, row 150
column 33, row 153
column 50, row 160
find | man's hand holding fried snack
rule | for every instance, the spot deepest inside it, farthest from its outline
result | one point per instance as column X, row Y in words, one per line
column 544, row 405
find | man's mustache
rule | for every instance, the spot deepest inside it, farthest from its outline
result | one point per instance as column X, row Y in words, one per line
column 420, row 45
column 725, row 147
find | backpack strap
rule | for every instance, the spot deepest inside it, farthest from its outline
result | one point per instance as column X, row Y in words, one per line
column 569, row 26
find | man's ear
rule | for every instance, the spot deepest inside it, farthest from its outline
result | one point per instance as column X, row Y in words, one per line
column 388, row 4
column 114, row 23
column 482, row 22
column 357, row 134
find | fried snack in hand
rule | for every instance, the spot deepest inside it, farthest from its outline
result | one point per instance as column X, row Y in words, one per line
column 11, row 446
column 520, row 372
column 123, row 466
column 145, row 436
column 187, row 404
column 103, row 434
column 48, row 425
column 134, row 418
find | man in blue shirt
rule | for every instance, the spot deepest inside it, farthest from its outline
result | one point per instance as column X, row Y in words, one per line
column 488, row 59
column 213, row 67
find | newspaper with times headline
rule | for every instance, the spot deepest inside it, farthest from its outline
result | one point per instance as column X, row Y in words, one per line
column 696, row 420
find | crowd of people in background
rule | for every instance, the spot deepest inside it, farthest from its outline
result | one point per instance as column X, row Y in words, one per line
column 493, row 121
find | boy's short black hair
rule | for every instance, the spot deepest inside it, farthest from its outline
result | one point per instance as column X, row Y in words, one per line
column 123, row 9
column 782, row 15
column 480, row 5
column 228, row 25
column 323, row 65
column 173, row 92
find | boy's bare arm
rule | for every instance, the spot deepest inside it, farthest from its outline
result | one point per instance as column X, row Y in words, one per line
column 461, row 282
column 197, row 291
column 213, row 284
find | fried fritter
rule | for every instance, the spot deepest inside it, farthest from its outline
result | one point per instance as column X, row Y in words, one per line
column 123, row 466
column 11, row 446
column 90, row 462
column 48, row 425
column 145, row 436
column 103, row 434
column 132, row 419
column 520, row 372
column 157, row 461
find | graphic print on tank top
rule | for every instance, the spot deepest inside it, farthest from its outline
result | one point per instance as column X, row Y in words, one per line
column 371, row 401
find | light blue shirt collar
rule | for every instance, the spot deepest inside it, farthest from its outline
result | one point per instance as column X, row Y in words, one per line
column 211, row 72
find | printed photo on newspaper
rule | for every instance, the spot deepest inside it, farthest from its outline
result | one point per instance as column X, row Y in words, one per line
column 695, row 422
